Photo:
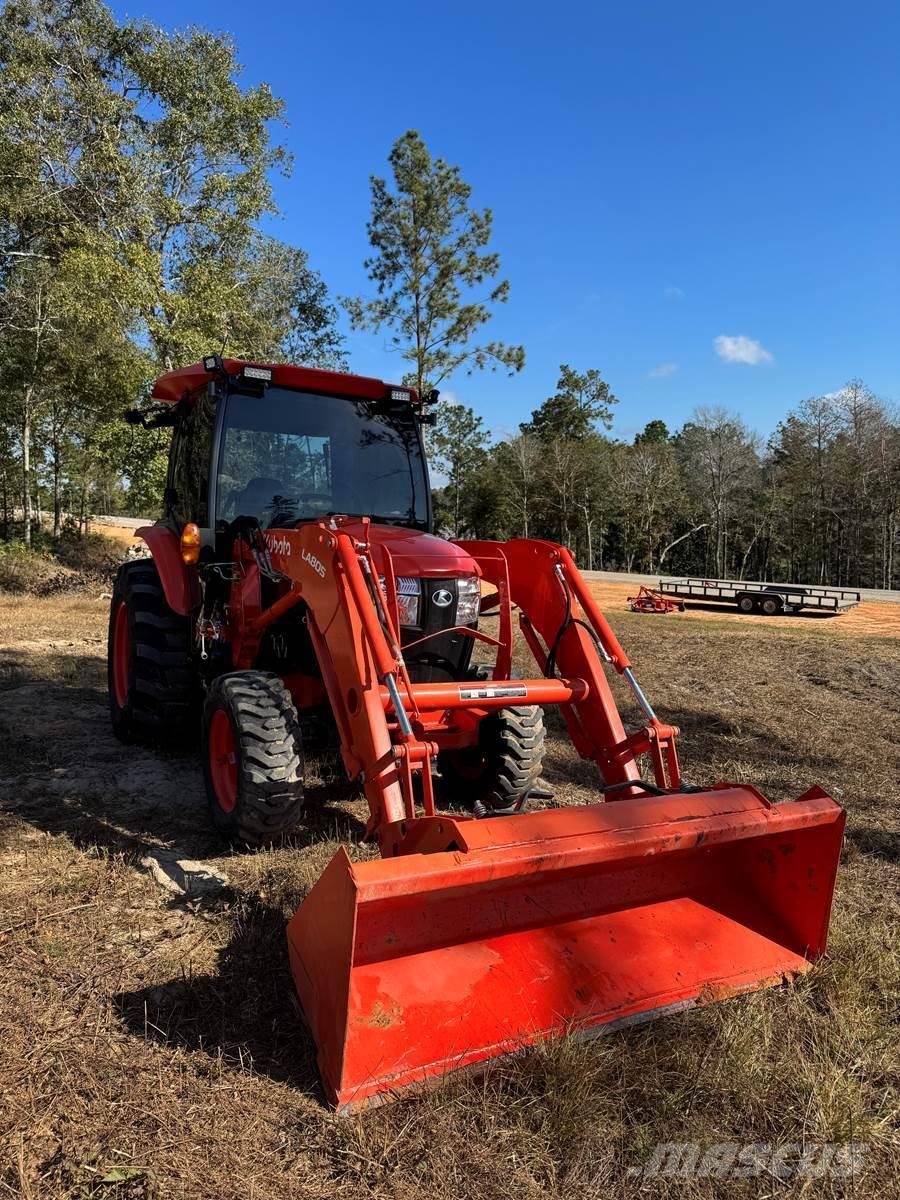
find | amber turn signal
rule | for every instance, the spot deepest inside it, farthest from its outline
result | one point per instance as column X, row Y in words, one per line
column 190, row 542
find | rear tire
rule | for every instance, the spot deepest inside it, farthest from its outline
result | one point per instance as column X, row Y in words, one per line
column 746, row 604
column 503, row 768
column 252, row 757
column 154, row 693
column 772, row 606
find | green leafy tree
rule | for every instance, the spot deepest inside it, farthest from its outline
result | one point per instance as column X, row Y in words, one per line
column 434, row 276
column 458, row 448
column 580, row 402
column 66, row 260
column 135, row 173
column 654, row 433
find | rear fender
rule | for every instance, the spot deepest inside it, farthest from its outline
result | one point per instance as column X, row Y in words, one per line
column 179, row 584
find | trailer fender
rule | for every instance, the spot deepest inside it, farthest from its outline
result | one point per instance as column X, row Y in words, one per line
column 178, row 583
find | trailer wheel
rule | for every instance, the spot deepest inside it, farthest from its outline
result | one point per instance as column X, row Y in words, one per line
column 154, row 693
column 506, row 764
column 252, row 757
column 746, row 603
column 772, row 606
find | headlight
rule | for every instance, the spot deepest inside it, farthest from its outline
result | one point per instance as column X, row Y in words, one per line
column 468, row 605
column 407, row 599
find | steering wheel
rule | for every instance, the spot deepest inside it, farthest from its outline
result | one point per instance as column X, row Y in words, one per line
column 311, row 498
column 298, row 507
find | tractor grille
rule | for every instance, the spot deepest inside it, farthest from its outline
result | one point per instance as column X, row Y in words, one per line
column 445, row 656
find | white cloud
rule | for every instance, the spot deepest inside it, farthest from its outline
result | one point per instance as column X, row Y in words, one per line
column 742, row 349
column 663, row 371
column 674, row 293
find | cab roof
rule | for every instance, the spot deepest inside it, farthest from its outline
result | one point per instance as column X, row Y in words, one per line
column 185, row 383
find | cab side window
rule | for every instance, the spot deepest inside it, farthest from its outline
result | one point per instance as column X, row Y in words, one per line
column 189, row 465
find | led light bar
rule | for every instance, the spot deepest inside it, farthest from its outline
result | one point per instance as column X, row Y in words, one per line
column 261, row 374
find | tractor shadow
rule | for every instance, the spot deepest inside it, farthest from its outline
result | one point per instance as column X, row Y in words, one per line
column 706, row 743
column 875, row 842
column 245, row 1016
column 63, row 771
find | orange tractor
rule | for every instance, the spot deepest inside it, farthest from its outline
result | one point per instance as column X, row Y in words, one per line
column 295, row 587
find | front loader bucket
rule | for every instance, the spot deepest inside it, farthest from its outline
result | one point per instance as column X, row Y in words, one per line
column 560, row 921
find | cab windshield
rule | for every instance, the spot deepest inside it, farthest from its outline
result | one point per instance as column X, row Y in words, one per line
column 288, row 456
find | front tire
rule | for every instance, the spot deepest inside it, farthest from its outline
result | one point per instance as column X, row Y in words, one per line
column 252, row 757
column 498, row 773
column 154, row 695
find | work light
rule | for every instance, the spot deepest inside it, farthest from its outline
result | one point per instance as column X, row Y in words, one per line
column 260, row 374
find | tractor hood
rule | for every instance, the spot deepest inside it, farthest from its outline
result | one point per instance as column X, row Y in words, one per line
column 413, row 553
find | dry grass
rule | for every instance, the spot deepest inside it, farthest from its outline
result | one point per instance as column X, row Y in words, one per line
column 71, row 564
column 152, row 1048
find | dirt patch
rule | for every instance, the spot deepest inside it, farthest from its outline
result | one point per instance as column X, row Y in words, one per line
column 120, row 534
column 150, row 1045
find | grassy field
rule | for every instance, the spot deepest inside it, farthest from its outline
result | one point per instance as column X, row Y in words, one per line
column 152, row 1047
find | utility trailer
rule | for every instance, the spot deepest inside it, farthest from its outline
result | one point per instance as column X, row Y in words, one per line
column 768, row 598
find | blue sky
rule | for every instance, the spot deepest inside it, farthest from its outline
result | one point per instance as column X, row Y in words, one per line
column 662, row 176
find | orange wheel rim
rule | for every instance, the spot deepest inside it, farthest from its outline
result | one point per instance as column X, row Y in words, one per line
column 223, row 761
column 121, row 655
column 469, row 764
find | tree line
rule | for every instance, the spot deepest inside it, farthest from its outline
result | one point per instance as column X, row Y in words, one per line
column 135, row 187
column 816, row 503
column 135, row 182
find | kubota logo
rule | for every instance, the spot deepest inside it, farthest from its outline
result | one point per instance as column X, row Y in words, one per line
column 317, row 566
column 278, row 545
column 442, row 597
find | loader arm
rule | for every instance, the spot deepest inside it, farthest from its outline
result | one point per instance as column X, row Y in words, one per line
column 475, row 937
column 558, row 614
column 391, row 729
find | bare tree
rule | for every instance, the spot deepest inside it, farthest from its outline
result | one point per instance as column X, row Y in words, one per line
column 520, row 459
column 718, row 455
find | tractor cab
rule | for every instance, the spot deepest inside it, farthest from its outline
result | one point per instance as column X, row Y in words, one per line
column 289, row 456
column 282, row 445
column 263, row 448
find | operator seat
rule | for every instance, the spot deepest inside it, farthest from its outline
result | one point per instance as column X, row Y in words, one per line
column 256, row 497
